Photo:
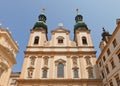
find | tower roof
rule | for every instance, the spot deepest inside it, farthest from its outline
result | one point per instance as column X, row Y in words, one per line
column 80, row 24
column 41, row 23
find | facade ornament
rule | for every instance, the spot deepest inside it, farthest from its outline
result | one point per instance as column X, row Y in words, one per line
column 74, row 61
column 30, row 72
column 88, row 62
column 90, row 72
column 32, row 61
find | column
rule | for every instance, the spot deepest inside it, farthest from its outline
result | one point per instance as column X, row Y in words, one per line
column 38, row 67
column 69, row 69
column 51, row 70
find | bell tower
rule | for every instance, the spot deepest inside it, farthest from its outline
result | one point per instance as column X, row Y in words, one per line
column 38, row 37
column 39, row 31
column 81, row 32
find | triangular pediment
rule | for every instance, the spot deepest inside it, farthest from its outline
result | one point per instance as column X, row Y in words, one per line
column 60, row 29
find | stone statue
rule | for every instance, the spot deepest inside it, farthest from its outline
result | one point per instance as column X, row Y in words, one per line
column 74, row 62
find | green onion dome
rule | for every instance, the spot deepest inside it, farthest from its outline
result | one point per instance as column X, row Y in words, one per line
column 41, row 23
column 79, row 23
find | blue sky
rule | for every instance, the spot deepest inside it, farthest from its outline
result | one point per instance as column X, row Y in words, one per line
column 20, row 16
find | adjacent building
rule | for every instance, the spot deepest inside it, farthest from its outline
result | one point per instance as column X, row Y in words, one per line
column 59, row 61
column 13, row 77
column 8, row 51
column 109, row 59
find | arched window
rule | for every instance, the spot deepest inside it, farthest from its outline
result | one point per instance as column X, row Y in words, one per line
column 60, row 39
column 75, row 72
column 44, row 73
column 36, row 40
column 60, row 70
column 84, row 40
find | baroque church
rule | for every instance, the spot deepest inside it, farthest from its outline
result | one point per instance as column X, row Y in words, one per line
column 59, row 61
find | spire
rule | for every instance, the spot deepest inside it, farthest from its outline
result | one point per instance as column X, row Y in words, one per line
column 79, row 22
column 78, row 17
column 42, row 16
column 43, row 11
column 77, row 10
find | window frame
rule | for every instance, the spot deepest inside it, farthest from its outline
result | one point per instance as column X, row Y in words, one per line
column 108, row 52
column 114, row 43
column 75, row 73
column 60, row 72
column 84, row 40
column 36, row 40
column 44, row 74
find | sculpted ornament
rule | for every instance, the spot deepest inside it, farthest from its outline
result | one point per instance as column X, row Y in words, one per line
column 74, row 61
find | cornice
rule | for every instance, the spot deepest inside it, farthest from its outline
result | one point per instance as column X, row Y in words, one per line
column 60, row 47
column 10, row 38
column 52, row 53
column 59, row 80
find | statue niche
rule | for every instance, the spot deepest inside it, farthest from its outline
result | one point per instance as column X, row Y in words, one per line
column 74, row 61
column 32, row 61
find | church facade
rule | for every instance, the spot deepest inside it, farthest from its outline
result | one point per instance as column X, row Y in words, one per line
column 59, row 61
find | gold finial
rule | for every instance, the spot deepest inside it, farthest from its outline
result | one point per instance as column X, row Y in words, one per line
column 43, row 10
column 77, row 10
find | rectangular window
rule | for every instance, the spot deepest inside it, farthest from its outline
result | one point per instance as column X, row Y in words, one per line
column 108, row 52
column 112, row 63
column 119, row 56
column 60, row 40
column 100, row 64
column 75, row 73
column 114, row 43
column 117, row 79
column 111, row 83
column 107, row 69
column 104, row 59
column 103, row 75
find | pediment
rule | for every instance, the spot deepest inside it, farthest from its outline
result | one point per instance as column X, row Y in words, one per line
column 60, row 30
column 60, row 61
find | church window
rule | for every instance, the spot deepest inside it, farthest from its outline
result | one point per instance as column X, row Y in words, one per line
column 36, row 40
column 84, row 40
column 75, row 71
column 44, row 73
column 60, row 40
column 60, row 70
